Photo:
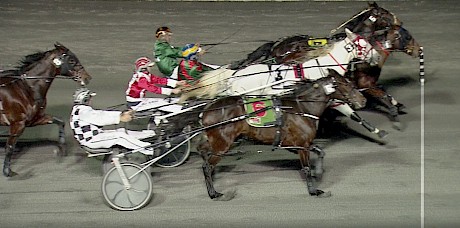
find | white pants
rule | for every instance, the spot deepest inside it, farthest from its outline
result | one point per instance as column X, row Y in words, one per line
column 158, row 103
column 128, row 139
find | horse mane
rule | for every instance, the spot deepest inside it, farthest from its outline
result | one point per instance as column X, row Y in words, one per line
column 209, row 86
column 362, row 16
column 25, row 63
column 29, row 60
column 305, row 55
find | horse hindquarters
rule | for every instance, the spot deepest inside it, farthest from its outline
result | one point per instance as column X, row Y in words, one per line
column 210, row 161
column 211, row 152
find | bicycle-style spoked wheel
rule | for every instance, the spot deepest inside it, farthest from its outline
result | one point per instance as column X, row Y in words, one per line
column 117, row 196
column 176, row 157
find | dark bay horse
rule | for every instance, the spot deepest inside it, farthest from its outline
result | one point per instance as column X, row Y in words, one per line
column 295, row 131
column 23, row 94
column 381, row 27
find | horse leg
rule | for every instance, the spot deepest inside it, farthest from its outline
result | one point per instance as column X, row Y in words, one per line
column 326, row 123
column 208, row 170
column 349, row 112
column 357, row 118
column 306, row 170
column 318, row 167
column 16, row 130
column 47, row 119
column 61, row 125
column 401, row 107
column 218, row 145
column 7, row 172
column 386, row 100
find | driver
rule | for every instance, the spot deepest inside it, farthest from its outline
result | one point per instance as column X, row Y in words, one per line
column 143, row 81
column 165, row 54
column 86, row 124
column 190, row 69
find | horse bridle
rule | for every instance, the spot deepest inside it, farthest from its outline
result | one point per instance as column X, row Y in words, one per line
column 64, row 66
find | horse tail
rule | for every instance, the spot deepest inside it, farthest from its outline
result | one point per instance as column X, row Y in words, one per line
column 209, row 86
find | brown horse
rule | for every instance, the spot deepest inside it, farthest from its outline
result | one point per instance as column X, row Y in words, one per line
column 381, row 27
column 23, row 94
column 295, row 128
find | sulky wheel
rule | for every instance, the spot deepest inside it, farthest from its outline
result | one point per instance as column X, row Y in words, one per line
column 117, row 196
column 138, row 158
column 176, row 157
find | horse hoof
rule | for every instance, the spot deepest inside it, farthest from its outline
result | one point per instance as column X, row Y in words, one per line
column 397, row 125
column 9, row 173
column 216, row 195
column 382, row 134
column 324, row 194
column 227, row 196
column 320, row 193
column 401, row 108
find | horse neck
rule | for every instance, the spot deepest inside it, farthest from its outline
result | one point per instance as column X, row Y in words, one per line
column 382, row 57
column 41, row 75
column 310, row 102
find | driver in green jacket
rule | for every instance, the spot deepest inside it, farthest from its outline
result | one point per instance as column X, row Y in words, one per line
column 166, row 55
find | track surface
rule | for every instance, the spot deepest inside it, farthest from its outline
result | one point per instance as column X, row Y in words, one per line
column 372, row 185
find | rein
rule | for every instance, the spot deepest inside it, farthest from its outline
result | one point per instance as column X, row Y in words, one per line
column 281, row 70
column 223, row 40
column 348, row 21
column 17, row 77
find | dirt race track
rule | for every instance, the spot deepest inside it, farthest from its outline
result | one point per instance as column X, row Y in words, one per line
column 373, row 185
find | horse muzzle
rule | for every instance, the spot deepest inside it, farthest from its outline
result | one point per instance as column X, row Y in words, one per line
column 83, row 77
column 359, row 104
column 413, row 48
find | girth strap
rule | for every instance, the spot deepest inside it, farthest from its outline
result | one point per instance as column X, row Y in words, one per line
column 279, row 123
column 298, row 71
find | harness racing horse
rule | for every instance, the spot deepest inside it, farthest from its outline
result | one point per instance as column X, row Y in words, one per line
column 23, row 94
column 375, row 23
column 294, row 130
column 270, row 79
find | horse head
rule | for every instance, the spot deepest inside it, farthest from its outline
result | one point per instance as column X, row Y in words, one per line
column 380, row 25
column 345, row 90
column 334, row 86
column 400, row 39
column 67, row 64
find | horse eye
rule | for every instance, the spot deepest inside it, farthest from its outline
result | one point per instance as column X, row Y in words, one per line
column 72, row 61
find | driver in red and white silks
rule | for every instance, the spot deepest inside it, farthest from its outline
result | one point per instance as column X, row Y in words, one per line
column 143, row 81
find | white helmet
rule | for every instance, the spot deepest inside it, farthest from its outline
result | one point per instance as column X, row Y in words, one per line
column 82, row 96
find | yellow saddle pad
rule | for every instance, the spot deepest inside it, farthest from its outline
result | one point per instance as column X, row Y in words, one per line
column 317, row 42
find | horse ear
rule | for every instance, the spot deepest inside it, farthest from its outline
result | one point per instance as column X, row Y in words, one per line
column 373, row 5
column 350, row 34
column 58, row 45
